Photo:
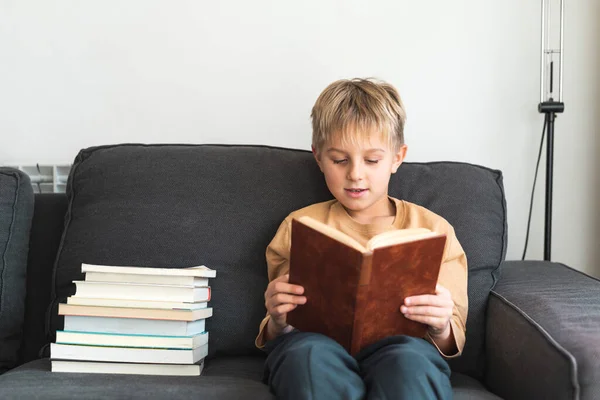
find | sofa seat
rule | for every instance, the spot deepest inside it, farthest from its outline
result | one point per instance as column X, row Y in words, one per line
column 223, row 378
column 234, row 378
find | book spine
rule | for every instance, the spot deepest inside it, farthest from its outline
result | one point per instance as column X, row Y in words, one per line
column 361, row 300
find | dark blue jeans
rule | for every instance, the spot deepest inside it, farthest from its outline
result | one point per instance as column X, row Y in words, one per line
column 302, row 365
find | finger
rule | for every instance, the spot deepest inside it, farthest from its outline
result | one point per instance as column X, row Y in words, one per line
column 440, row 312
column 271, row 287
column 282, row 287
column 428, row 300
column 282, row 278
column 283, row 309
column 283, row 298
column 437, row 323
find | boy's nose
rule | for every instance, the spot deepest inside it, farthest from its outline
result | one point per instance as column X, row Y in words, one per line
column 355, row 173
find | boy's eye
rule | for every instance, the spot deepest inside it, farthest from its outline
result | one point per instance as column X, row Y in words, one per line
column 342, row 161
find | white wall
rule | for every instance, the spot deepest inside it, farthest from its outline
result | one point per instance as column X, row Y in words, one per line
column 80, row 73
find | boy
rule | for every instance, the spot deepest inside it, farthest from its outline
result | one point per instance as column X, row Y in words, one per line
column 358, row 142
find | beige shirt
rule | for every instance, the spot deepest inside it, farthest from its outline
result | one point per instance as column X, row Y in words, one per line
column 453, row 271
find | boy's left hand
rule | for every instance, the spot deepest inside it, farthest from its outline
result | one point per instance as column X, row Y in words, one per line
column 434, row 310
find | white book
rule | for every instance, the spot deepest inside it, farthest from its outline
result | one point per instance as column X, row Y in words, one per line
column 133, row 326
column 167, row 305
column 114, row 340
column 137, row 291
column 89, row 367
column 143, row 313
column 173, row 280
column 199, row 271
column 127, row 354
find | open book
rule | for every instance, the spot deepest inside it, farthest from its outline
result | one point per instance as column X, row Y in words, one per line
column 354, row 292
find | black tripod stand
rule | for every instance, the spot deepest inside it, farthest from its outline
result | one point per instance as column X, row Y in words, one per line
column 549, row 106
column 550, row 109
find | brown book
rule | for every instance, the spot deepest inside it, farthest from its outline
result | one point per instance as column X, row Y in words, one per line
column 354, row 292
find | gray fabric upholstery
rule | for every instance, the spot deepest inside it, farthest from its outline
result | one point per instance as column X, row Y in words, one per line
column 179, row 205
column 223, row 378
column 16, row 210
column 466, row 388
column 35, row 381
column 543, row 333
column 472, row 199
column 45, row 235
column 46, row 229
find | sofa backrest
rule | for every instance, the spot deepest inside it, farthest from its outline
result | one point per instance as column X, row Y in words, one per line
column 16, row 212
column 220, row 205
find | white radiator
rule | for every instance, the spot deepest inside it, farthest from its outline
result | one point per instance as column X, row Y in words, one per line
column 46, row 178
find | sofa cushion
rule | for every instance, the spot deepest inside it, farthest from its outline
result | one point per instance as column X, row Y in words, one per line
column 181, row 205
column 223, row 378
column 34, row 380
column 16, row 211
column 472, row 199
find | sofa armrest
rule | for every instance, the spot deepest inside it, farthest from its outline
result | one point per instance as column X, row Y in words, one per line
column 543, row 333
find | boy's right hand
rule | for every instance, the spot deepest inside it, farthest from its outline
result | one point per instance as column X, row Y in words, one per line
column 282, row 297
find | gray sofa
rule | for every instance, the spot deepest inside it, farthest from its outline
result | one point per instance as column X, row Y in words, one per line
column 533, row 329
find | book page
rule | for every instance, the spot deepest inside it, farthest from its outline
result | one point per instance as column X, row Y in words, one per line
column 399, row 236
column 332, row 233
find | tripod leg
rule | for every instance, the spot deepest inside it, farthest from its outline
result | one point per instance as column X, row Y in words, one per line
column 550, row 117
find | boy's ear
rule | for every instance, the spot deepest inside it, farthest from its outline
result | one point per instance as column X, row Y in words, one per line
column 399, row 158
column 316, row 155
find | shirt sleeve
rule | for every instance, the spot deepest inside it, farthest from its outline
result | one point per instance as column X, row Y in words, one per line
column 453, row 276
column 278, row 263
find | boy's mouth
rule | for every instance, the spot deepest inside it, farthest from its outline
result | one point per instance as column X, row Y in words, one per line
column 355, row 192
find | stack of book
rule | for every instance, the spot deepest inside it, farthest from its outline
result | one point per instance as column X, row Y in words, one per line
column 135, row 320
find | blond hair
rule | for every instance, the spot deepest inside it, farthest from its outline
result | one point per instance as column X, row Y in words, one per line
column 358, row 107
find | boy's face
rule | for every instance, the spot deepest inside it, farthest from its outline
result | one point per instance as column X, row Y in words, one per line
column 358, row 174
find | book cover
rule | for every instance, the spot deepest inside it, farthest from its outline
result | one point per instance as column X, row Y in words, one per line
column 163, row 305
column 124, row 312
column 200, row 271
column 137, row 291
column 127, row 354
column 91, row 367
column 131, row 340
column 153, row 327
column 172, row 280
column 354, row 292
